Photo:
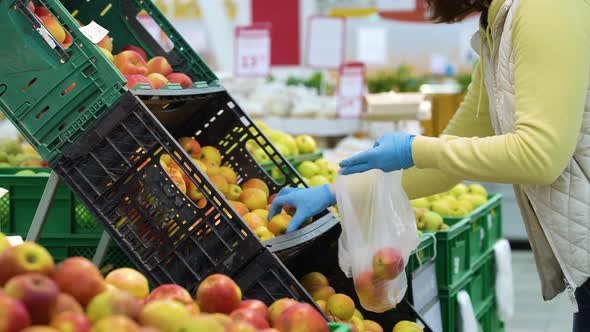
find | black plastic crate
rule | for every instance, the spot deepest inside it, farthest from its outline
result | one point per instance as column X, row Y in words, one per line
column 115, row 171
column 216, row 119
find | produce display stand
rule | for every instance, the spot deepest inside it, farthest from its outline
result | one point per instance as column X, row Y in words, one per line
column 105, row 144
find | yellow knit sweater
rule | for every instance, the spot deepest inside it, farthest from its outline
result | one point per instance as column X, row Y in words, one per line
column 551, row 42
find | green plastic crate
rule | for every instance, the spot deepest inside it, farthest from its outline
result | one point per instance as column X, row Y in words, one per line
column 338, row 327
column 120, row 18
column 85, row 246
column 424, row 253
column 495, row 324
column 468, row 239
column 481, row 287
column 52, row 94
column 17, row 208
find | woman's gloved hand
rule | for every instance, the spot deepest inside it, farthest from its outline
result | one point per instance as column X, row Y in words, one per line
column 391, row 152
column 307, row 201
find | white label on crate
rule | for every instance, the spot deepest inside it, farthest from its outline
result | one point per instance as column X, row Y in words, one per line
column 14, row 240
column 424, row 286
column 94, row 32
column 490, row 221
column 482, row 235
column 456, row 263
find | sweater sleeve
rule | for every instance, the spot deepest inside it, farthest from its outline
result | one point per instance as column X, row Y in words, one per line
column 466, row 123
column 551, row 45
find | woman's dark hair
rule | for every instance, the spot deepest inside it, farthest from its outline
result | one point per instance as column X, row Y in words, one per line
column 452, row 11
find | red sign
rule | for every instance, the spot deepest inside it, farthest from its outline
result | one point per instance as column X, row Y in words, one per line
column 351, row 90
column 253, row 51
column 284, row 18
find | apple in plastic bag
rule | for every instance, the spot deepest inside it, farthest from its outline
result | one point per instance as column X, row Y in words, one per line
column 388, row 263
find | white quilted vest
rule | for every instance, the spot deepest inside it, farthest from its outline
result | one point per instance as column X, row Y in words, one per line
column 557, row 216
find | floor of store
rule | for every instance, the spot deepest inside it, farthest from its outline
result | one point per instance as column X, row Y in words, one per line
column 531, row 312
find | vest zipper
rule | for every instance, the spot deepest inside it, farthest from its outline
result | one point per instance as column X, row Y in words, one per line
column 571, row 294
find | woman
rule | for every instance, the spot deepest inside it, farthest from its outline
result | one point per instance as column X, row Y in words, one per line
column 525, row 120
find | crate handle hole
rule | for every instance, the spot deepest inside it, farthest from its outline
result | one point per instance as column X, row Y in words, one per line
column 42, row 112
column 61, row 127
column 68, row 89
column 30, row 84
column 81, row 109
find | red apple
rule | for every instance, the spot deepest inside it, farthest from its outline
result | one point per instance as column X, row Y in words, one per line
column 13, row 315
column 301, row 317
column 256, row 183
column 180, row 78
column 39, row 328
column 133, row 80
column 191, row 146
column 71, row 322
column 130, row 62
column 64, row 302
column 23, row 258
column 240, row 207
column 368, row 287
column 78, row 277
column 54, row 27
column 257, row 306
column 159, row 65
column 170, row 292
column 139, row 50
column 278, row 307
column 250, row 316
column 129, row 280
column 388, row 263
column 106, row 43
column 36, row 291
column 218, row 294
column 41, row 11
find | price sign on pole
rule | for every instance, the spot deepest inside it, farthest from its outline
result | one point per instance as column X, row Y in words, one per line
column 252, row 51
column 351, row 90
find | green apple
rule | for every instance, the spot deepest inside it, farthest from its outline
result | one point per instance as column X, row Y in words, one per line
column 458, row 211
column 276, row 174
column 432, row 221
column 467, row 205
column 261, row 156
column 420, row 203
column 476, row 200
column 288, row 141
column 478, row 189
column 323, row 165
column 306, row 144
column 434, row 197
column 318, row 180
column 442, row 207
column 332, row 173
column 459, row 190
column 282, row 149
column 308, row 169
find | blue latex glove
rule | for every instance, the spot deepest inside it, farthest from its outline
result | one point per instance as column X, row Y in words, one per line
column 391, row 152
column 307, row 201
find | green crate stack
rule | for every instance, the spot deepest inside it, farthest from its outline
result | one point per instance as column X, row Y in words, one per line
column 70, row 229
column 52, row 94
column 461, row 247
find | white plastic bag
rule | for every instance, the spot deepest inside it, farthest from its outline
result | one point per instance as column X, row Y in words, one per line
column 378, row 234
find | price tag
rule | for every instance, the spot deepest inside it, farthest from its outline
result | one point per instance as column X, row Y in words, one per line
column 351, row 89
column 252, row 51
column 94, row 32
column 456, row 264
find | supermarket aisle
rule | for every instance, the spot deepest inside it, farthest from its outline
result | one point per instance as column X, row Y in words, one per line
column 532, row 313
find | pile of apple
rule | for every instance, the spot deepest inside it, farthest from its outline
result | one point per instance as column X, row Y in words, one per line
column 251, row 199
column 341, row 308
column 458, row 202
column 37, row 296
column 132, row 61
column 317, row 173
column 286, row 144
column 13, row 154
